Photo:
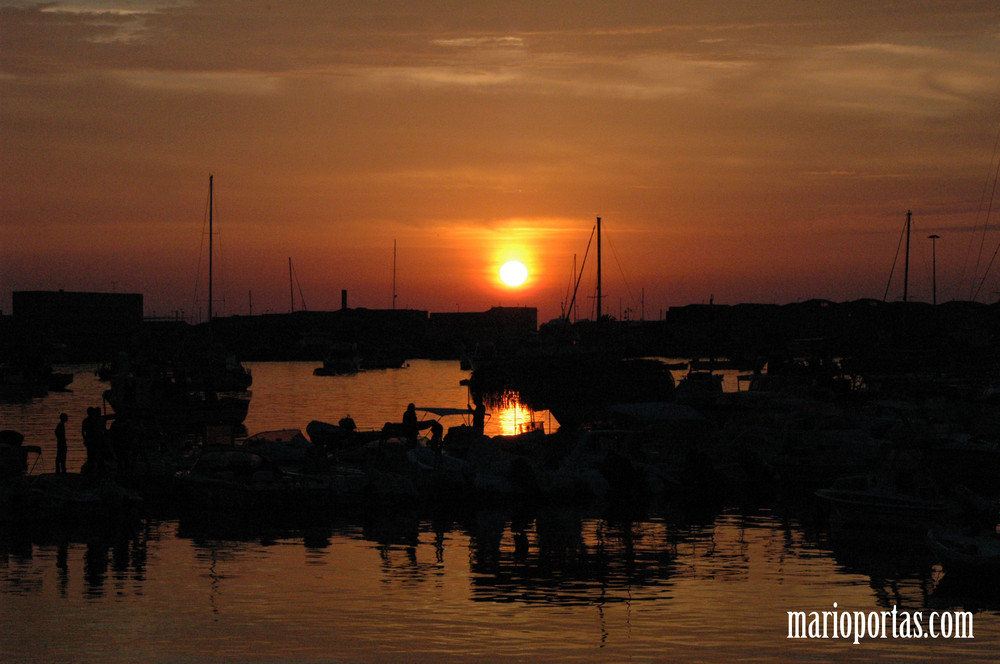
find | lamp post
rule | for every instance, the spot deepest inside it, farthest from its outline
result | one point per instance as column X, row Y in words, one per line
column 934, row 239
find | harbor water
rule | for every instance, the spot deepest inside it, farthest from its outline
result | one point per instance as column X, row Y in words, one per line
column 454, row 583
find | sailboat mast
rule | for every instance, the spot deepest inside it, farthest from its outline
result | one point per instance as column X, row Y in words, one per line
column 599, row 268
column 211, row 205
column 291, row 290
column 394, row 275
column 906, row 265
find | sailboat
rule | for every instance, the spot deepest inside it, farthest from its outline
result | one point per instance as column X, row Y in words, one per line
column 202, row 385
column 577, row 379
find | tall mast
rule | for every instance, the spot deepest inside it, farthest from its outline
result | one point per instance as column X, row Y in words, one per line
column 291, row 290
column 599, row 268
column 211, row 204
column 906, row 266
column 394, row 275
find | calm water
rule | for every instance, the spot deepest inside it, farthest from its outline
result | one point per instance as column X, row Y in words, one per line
column 554, row 584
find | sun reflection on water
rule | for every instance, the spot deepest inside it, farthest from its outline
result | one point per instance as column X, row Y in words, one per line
column 516, row 418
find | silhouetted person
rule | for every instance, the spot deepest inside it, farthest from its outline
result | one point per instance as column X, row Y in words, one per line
column 479, row 417
column 93, row 439
column 61, row 443
column 437, row 441
column 410, row 424
column 347, row 425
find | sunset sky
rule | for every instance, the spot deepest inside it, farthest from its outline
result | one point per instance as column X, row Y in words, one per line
column 748, row 151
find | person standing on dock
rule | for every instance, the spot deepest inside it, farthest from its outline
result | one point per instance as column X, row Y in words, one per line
column 410, row 429
column 61, row 443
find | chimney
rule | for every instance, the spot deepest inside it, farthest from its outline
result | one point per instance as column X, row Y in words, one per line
column 343, row 298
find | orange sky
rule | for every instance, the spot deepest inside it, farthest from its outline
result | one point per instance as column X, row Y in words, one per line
column 754, row 152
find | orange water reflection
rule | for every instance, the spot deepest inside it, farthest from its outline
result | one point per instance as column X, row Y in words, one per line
column 516, row 418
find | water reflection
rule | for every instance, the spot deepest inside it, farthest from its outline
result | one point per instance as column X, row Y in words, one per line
column 560, row 557
column 608, row 573
column 898, row 565
column 97, row 556
column 554, row 555
column 515, row 418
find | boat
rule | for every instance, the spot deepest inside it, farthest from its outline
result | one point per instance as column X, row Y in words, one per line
column 971, row 558
column 19, row 383
column 14, row 487
column 341, row 436
column 699, row 386
column 159, row 396
column 202, row 385
column 76, row 496
column 817, row 445
column 963, row 459
column 341, row 359
column 235, row 479
column 283, row 447
column 576, row 380
column 204, row 365
column 871, row 500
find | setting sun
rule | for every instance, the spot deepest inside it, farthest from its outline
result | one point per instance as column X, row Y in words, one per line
column 513, row 273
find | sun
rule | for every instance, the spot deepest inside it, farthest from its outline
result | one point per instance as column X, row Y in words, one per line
column 513, row 273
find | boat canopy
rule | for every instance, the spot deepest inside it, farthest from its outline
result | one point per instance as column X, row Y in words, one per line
column 441, row 412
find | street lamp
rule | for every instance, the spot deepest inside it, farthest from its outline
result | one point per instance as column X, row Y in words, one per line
column 934, row 239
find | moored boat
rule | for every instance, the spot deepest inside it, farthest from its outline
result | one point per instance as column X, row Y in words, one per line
column 234, row 479
column 866, row 501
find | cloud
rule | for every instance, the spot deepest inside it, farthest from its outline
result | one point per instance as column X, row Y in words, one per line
column 481, row 42
column 227, row 83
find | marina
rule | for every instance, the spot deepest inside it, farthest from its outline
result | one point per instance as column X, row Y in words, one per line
column 455, row 579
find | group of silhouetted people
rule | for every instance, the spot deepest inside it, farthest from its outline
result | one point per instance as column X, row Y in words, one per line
column 102, row 444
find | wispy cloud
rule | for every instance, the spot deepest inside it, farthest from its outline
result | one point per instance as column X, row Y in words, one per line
column 226, row 83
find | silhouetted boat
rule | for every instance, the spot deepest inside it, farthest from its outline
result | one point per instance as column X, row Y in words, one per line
column 76, row 496
column 699, row 387
column 156, row 394
column 865, row 501
column 284, row 446
column 236, row 479
column 14, row 487
column 202, row 385
column 204, row 365
column 18, row 383
column 577, row 388
column 225, row 478
column 341, row 358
